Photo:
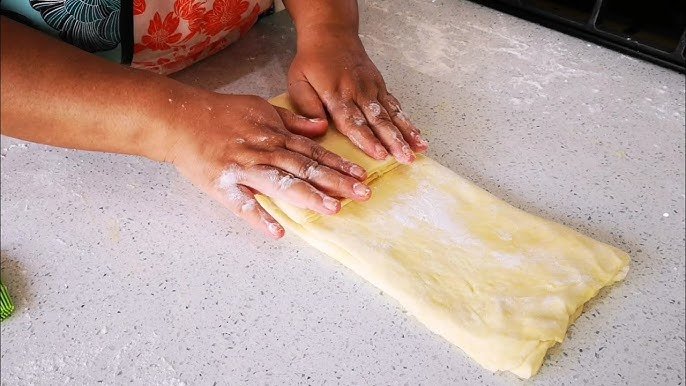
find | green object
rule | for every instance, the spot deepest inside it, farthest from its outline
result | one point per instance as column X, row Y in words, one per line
column 6, row 305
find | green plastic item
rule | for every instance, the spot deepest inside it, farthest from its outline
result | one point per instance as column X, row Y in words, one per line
column 6, row 305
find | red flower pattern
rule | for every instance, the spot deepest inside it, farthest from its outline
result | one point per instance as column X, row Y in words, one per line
column 190, row 32
column 225, row 15
column 191, row 11
column 162, row 33
column 138, row 7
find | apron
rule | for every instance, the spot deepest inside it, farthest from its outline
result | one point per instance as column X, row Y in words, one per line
column 163, row 36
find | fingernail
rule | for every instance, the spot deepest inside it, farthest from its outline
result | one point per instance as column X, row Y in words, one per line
column 361, row 190
column 331, row 204
column 275, row 229
column 381, row 151
column 408, row 155
column 421, row 143
column 357, row 171
column 317, row 120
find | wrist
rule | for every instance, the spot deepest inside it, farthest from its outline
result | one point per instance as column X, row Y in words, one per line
column 327, row 34
column 317, row 19
column 172, row 113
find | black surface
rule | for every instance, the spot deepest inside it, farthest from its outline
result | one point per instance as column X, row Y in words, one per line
column 650, row 30
column 126, row 31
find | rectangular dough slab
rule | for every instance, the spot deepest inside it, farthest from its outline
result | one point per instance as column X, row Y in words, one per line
column 499, row 283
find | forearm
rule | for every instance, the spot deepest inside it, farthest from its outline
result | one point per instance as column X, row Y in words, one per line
column 313, row 18
column 56, row 94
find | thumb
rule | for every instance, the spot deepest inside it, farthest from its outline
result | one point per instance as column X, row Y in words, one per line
column 305, row 98
column 297, row 124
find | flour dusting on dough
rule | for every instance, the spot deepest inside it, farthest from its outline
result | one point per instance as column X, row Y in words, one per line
column 504, row 235
column 428, row 205
column 507, row 260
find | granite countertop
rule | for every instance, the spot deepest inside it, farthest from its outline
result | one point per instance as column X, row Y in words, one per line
column 122, row 271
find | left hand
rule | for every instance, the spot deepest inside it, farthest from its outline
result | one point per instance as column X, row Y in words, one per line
column 332, row 73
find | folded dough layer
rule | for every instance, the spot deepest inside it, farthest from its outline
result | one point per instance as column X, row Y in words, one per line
column 499, row 283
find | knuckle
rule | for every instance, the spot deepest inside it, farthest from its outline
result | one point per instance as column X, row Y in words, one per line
column 393, row 109
column 263, row 157
column 248, row 206
column 308, row 169
column 343, row 184
column 315, row 195
column 356, row 120
column 346, row 166
column 230, row 177
column 272, row 140
column 336, row 161
column 318, row 153
column 278, row 137
column 397, row 136
column 375, row 111
column 246, row 159
column 295, row 140
column 385, row 117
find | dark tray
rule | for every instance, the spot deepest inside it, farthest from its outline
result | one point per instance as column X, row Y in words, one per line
column 650, row 30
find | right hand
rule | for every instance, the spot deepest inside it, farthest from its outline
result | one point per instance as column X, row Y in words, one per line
column 232, row 146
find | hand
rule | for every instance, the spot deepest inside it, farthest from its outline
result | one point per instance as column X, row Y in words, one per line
column 232, row 146
column 332, row 71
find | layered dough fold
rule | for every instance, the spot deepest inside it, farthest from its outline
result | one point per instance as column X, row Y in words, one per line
column 501, row 284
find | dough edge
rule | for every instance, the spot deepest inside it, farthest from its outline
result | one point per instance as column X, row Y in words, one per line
column 533, row 359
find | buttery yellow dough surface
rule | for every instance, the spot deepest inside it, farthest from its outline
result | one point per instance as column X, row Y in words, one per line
column 339, row 144
column 499, row 283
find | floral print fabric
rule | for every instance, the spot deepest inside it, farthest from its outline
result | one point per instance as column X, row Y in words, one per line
column 170, row 35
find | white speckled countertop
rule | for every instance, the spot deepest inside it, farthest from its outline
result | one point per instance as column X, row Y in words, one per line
column 122, row 271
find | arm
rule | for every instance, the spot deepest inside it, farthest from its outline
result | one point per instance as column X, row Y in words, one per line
column 332, row 73
column 323, row 16
column 56, row 94
column 230, row 146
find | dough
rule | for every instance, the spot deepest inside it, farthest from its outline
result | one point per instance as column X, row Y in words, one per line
column 499, row 283
column 340, row 144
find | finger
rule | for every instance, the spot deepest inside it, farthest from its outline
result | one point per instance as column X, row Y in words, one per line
column 318, row 153
column 409, row 131
column 241, row 201
column 305, row 98
column 385, row 130
column 277, row 183
column 350, row 121
column 322, row 177
column 298, row 124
